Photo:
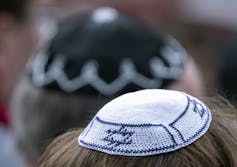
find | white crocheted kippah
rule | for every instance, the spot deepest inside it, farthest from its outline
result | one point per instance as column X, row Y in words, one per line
column 147, row 122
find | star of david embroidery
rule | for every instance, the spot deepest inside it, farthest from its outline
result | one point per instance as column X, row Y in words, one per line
column 198, row 108
column 119, row 136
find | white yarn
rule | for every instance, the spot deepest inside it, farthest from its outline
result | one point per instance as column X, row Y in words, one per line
column 147, row 122
column 104, row 15
column 172, row 53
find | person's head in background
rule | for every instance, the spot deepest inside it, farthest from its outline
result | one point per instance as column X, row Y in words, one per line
column 152, row 128
column 17, row 42
column 227, row 74
column 91, row 59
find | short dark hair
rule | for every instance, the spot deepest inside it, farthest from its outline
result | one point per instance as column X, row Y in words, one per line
column 16, row 8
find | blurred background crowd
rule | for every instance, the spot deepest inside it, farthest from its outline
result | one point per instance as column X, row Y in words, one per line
column 206, row 29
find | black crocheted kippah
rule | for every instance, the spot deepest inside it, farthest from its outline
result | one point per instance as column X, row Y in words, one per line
column 109, row 53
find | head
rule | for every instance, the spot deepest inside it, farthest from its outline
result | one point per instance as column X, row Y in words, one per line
column 227, row 77
column 15, row 27
column 91, row 59
column 101, row 143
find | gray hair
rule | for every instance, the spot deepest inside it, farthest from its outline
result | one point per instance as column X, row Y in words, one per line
column 39, row 115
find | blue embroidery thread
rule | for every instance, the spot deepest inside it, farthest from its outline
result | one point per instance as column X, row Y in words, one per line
column 123, row 132
column 198, row 108
column 151, row 149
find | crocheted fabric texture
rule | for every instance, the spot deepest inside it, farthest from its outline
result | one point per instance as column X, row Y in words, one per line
column 106, row 52
column 147, row 122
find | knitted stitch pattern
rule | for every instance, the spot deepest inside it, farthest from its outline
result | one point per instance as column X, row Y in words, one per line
column 147, row 122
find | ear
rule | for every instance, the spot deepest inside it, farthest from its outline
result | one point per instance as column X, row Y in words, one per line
column 191, row 80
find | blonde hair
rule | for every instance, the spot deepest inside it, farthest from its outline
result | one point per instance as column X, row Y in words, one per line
column 218, row 147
